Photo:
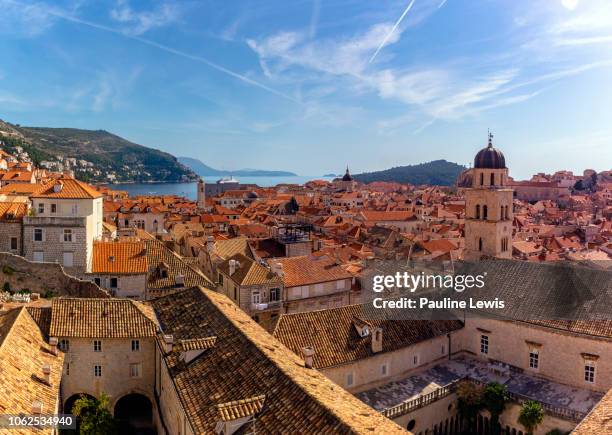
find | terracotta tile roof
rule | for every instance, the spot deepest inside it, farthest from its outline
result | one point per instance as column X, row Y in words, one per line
column 197, row 343
column 440, row 245
column 42, row 317
column 249, row 272
column 11, row 211
column 307, row 270
column 23, row 352
column 382, row 216
column 22, row 188
column 241, row 408
column 238, row 245
column 600, row 328
column 119, row 257
column 17, row 176
column 558, row 291
column 104, row 318
column 70, row 188
column 160, row 257
column 599, row 420
column 247, row 362
column 336, row 341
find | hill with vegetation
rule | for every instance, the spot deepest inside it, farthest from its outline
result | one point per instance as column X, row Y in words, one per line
column 101, row 156
column 437, row 172
column 204, row 170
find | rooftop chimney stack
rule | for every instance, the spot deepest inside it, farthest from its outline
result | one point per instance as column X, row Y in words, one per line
column 233, row 266
column 37, row 407
column 308, row 353
column 46, row 370
column 377, row 340
column 277, row 268
column 53, row 343
column 168, row 341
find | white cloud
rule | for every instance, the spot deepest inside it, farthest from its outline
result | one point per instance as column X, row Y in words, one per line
column 569, row 4
column 392, row 31
column 338, row 57
column 141, row 22
column 29, row 20
column 436, row 91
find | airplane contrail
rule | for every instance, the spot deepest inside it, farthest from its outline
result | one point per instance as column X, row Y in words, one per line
column 397, row 23
column 442, row 4
column 162, row 47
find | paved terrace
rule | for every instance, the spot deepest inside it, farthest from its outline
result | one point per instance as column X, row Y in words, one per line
column 400, row 397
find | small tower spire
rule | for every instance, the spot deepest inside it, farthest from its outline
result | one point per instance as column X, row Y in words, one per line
column 490, row 144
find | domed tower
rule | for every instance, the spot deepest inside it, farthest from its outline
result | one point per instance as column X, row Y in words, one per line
column 201, row 200
column 488, row 207
column 346, row 182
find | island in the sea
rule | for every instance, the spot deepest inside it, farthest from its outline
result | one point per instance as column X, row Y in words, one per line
column 204, row 170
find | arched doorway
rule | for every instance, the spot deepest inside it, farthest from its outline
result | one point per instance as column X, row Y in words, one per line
column 135, row 411
column 69, row 403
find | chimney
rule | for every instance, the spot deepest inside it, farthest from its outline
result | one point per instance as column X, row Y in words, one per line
column 180, row 280
column 377, row 339
column 168, row 341
column 308, row 353
column 37, row 407
column 53, row 343
column 233, row 265
column 210, row 243
column 277, row 268
column 46, row 370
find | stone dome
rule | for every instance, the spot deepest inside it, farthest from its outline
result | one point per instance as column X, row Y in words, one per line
column 489, row 157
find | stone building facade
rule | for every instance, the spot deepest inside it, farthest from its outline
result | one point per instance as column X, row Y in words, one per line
column 67, row 218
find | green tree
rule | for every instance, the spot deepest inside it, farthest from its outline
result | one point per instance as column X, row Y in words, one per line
column 531, row 416
column 94, row 417
column 494, row 399
column 469, row 402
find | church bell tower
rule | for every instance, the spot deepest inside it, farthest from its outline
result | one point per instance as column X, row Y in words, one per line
column 488, row 207
column 201, row 200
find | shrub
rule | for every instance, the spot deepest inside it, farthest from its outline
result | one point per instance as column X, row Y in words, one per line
column 531, row 416
column 494, row 399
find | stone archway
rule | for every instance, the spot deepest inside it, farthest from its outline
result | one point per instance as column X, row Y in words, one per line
column 69, row 403
column 134, row 411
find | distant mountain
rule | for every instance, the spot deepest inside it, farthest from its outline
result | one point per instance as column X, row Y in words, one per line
column 438, row 172
column 206, row 171
column 332, row 175
column 98, row 154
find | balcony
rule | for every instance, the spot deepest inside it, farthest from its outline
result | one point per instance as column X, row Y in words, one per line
column 265, row 306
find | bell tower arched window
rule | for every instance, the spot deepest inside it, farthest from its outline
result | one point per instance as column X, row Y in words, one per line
column 492, row 179
column 480, row 244
column 484, row 212
column 477, row 211
column 481, row 178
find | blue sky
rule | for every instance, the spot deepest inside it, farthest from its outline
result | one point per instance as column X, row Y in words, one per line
column 312, row 85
